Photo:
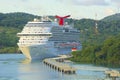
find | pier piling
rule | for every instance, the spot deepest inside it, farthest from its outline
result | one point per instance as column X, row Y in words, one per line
column 56, row 64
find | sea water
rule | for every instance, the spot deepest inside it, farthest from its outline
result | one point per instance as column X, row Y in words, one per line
column 16, row 67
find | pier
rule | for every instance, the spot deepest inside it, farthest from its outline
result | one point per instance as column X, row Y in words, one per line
column 56, row 63
column 113, row 74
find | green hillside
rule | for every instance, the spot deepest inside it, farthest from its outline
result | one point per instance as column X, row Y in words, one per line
column 115, row 17
column 16, row 20
column 100, row 47
column 8, row 39
column 10, row 25
column 108, row 53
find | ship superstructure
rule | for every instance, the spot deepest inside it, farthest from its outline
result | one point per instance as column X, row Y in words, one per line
column 45, row 38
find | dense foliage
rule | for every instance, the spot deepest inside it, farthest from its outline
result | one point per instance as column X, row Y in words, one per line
column 115, row 17
column 8, row 39
column 10, row 25
column 108, row 52
column 17, row 20
column 101, row 46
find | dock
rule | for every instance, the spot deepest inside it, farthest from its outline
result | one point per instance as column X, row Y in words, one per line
column 113, row 74
column 56, row 63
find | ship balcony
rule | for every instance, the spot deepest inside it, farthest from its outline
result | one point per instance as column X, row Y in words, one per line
column 31, row 43
column 34, row 34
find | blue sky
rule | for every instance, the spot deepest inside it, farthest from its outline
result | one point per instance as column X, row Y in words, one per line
column 76, row 8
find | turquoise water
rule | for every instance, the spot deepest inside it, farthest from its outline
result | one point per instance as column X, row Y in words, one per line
column 16, row 67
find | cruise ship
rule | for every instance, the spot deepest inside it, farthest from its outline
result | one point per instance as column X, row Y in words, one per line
column 46, row 38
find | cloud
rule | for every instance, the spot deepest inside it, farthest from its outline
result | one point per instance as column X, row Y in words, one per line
column 109, row 11
column 86, row 2
column 24, row 0
column 91, row 2
column 116, row 2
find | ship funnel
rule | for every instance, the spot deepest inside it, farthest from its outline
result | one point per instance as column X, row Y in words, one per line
column 61, row 19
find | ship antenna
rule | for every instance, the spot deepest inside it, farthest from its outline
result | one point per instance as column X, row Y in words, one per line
column 96, row 25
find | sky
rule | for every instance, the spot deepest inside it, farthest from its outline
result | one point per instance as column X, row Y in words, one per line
column 93, row 9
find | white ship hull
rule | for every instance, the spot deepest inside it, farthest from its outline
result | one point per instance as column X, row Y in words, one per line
column 42, row 51
column 37, row 51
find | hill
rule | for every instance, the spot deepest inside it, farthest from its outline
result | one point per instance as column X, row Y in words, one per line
column 10, row 25
column 115, row 17
column 17, row 20
column 106, row 28
column 107, row 54
column 101, row 47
